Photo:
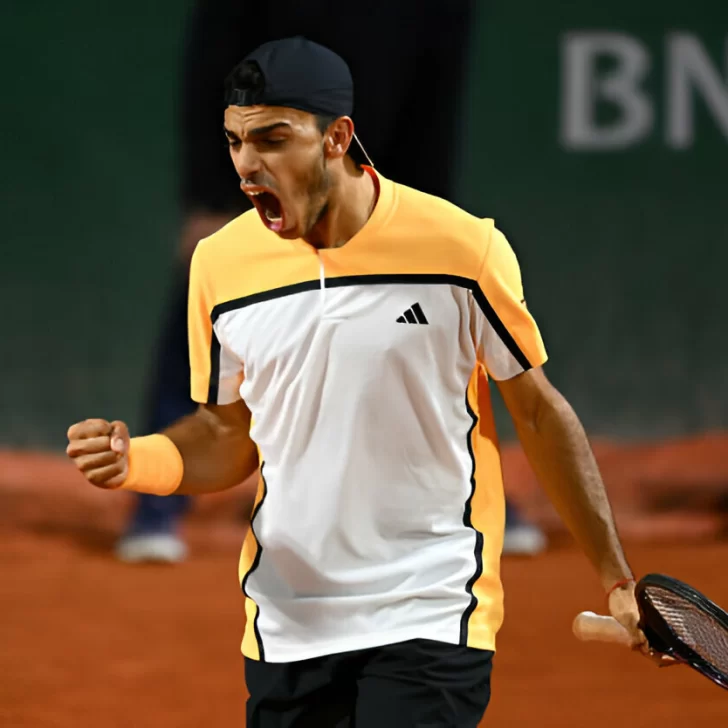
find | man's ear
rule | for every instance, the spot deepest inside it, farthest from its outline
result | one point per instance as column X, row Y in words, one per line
column 338, row 136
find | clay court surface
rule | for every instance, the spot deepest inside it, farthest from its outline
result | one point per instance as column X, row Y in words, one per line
column 87, row 642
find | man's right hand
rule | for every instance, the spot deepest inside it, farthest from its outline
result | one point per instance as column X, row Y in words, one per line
column 100, row 450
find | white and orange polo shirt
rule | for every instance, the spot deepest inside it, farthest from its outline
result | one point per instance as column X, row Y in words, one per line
column 380, row 509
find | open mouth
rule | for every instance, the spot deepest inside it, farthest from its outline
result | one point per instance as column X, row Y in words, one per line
column 268, row 205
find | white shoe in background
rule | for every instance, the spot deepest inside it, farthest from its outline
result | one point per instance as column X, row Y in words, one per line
column 164, row 548
column 523, row 539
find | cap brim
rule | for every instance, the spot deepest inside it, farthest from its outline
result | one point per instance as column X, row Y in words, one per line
column 358, row 153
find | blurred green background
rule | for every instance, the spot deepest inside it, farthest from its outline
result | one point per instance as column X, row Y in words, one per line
column 624, row 251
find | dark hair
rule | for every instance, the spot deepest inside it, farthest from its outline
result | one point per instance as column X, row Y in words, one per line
column 247, row 76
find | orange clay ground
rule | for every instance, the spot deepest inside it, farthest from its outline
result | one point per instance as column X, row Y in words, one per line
column 86, row 642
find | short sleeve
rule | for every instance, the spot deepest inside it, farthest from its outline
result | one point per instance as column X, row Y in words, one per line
column 507, row 336
column 215, row 372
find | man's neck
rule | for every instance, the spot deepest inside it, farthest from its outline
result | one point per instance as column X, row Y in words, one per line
column 351, row 204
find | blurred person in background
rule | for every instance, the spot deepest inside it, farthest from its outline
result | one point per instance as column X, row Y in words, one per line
column 404, row 55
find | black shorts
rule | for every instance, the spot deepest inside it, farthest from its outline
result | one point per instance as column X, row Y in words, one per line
column 414, row 684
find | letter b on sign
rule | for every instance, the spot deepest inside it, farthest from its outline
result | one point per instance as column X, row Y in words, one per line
column 583, row 87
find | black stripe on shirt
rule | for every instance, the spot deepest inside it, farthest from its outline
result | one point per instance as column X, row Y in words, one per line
column 390, row 279
column 468, row 522
column 500, row 328
column 255, row 564
column 213, row 389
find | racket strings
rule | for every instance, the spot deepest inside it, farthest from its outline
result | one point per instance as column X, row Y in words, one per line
column 694, row 627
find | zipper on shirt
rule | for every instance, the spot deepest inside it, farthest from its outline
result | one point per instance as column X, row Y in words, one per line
column 322, row 278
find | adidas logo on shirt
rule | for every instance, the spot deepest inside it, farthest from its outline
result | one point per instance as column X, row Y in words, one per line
column 413, row 315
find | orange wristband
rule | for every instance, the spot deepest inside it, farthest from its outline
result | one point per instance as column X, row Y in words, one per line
column 155, row 466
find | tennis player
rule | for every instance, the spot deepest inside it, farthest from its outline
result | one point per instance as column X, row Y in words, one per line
column 342, row 335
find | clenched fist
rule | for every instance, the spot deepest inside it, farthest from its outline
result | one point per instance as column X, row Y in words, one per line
column 100, row 450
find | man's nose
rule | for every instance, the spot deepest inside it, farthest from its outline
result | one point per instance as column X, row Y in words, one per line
column 247, row 162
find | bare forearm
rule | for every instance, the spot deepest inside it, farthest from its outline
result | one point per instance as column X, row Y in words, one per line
column 216, row 456
column 560, row 455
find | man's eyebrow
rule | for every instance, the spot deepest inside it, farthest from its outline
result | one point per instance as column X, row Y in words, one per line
column 259, row 131
column 271, row 127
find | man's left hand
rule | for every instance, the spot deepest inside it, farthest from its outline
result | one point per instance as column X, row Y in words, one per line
column 623, row 607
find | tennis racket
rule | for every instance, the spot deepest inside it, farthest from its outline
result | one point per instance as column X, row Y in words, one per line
column 677, row 620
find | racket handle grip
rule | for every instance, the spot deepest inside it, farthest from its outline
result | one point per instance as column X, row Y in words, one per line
column 590, row 627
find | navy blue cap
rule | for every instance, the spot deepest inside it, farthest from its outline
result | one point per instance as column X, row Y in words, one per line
column 300, row 74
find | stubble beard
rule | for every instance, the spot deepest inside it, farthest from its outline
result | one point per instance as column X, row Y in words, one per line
column 319, row 189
